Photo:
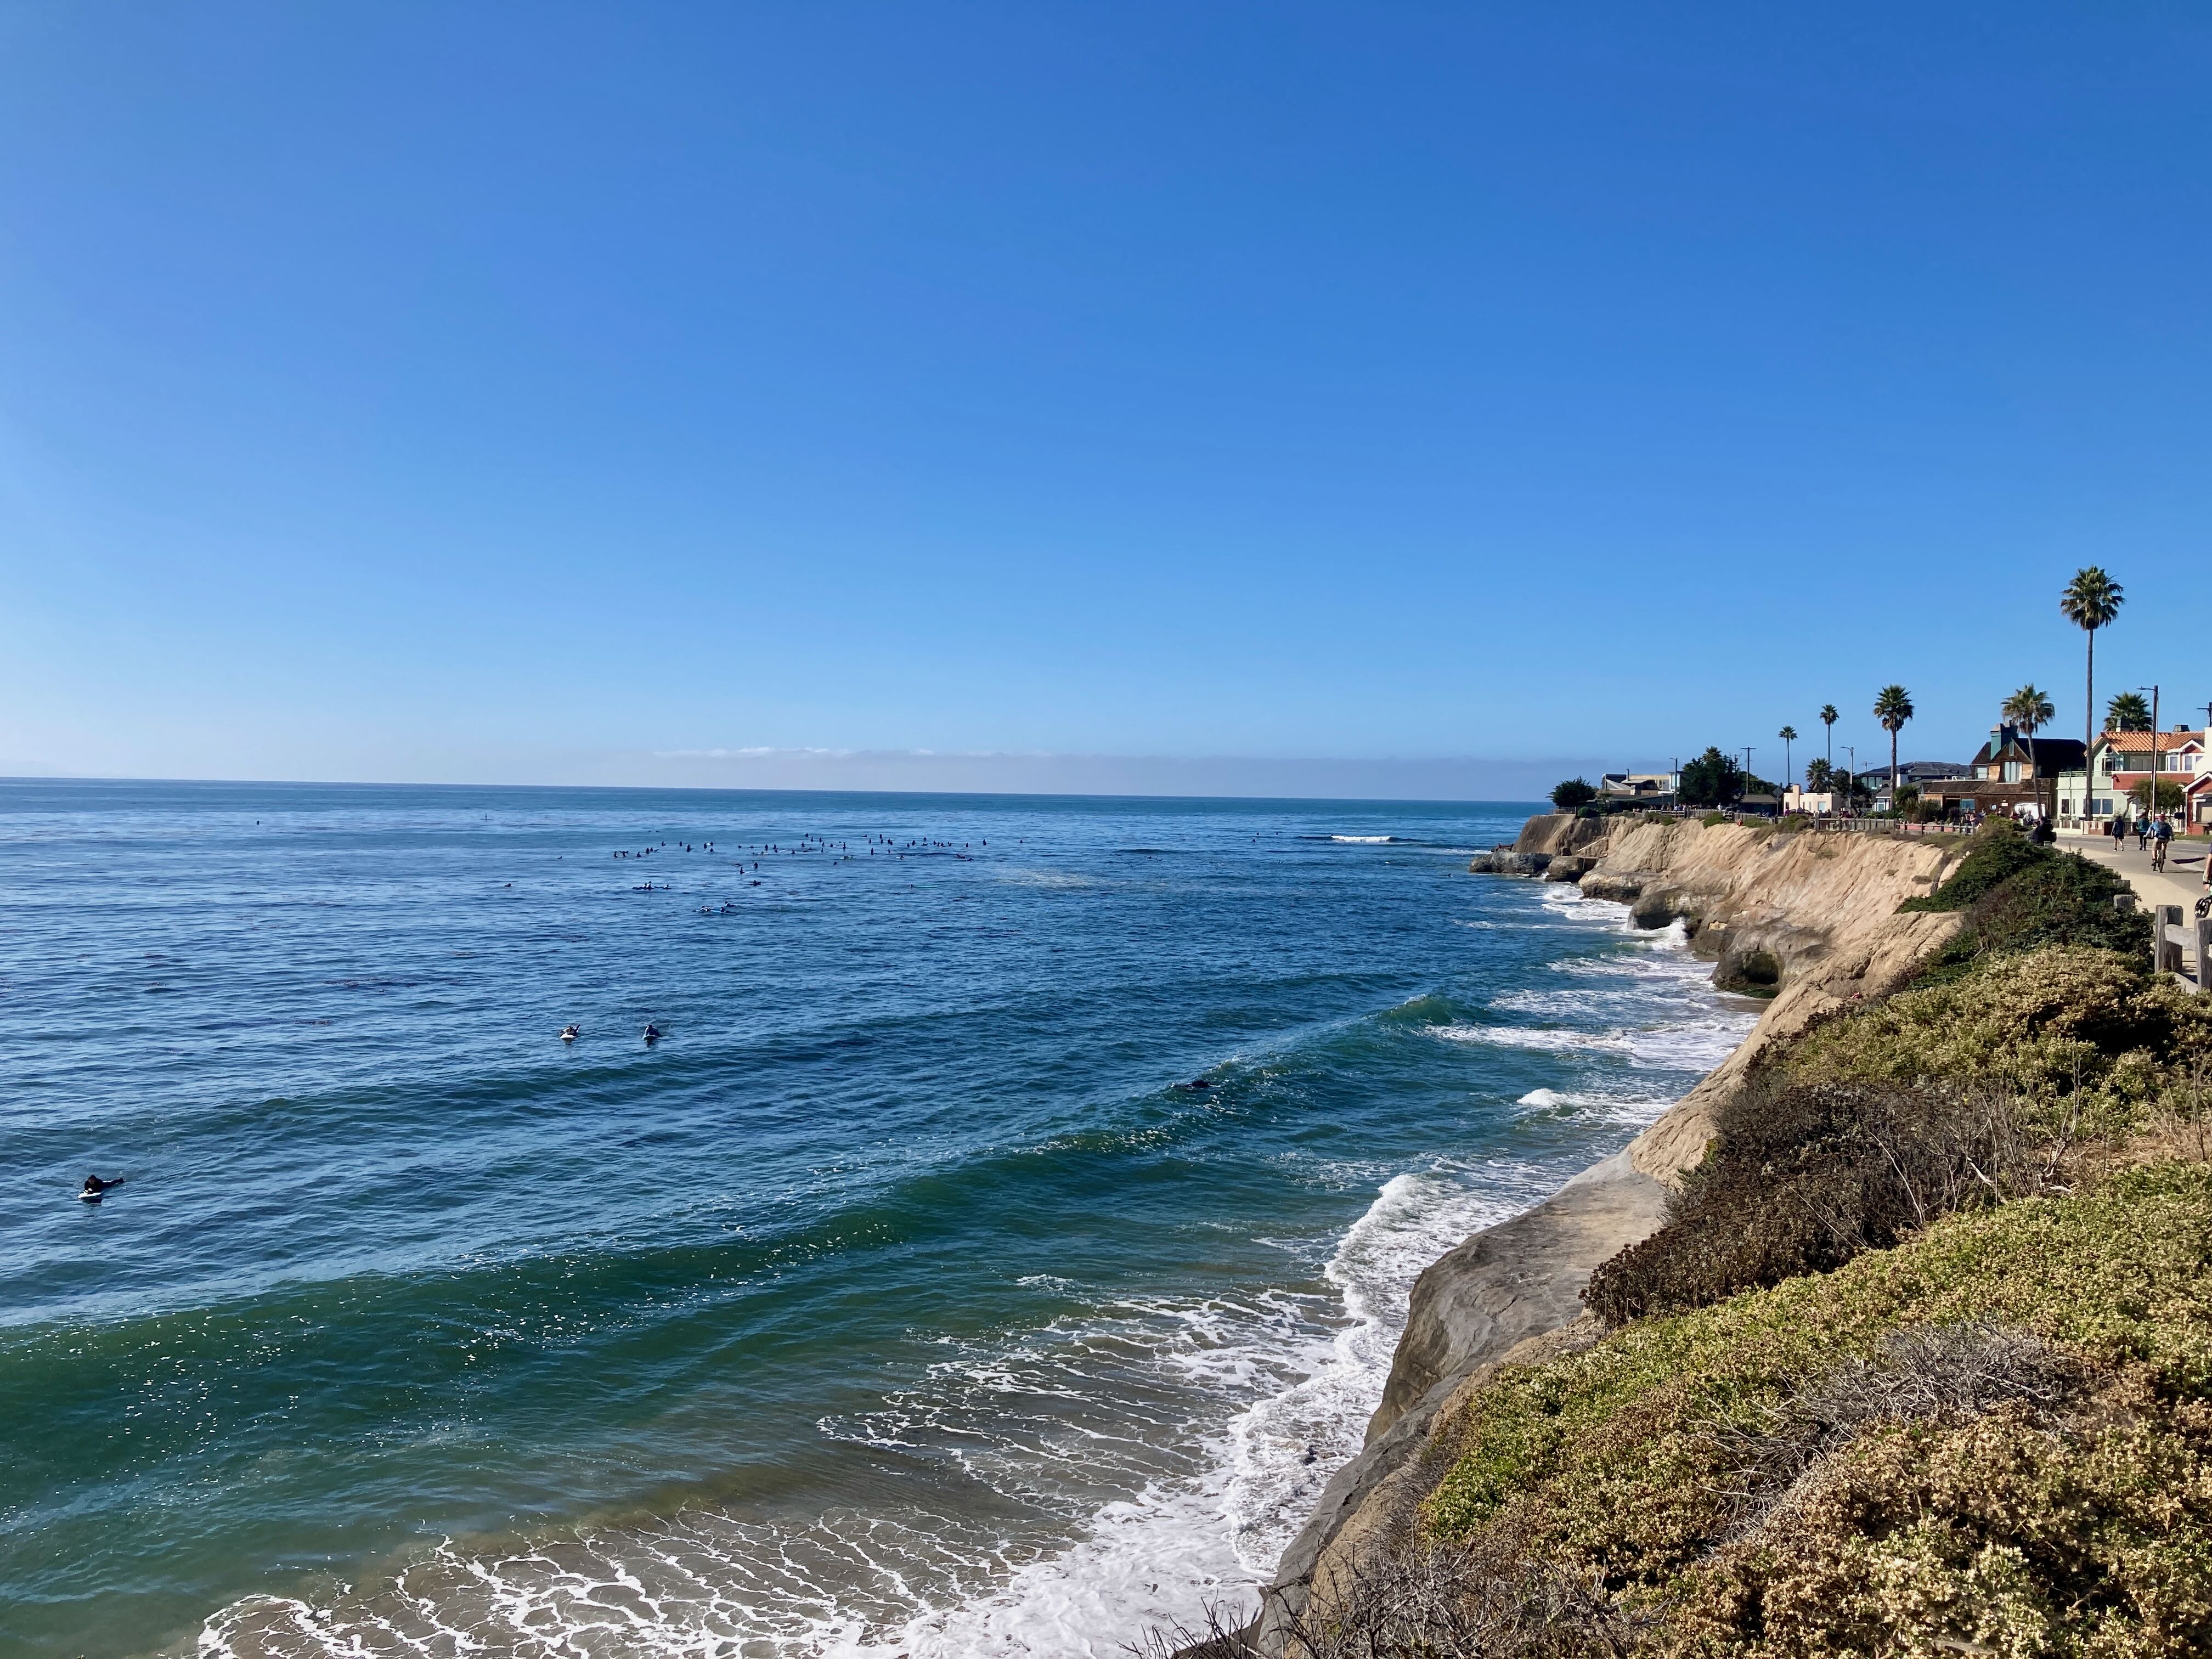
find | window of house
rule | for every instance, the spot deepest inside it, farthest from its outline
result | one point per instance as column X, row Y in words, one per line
column 2012, row 771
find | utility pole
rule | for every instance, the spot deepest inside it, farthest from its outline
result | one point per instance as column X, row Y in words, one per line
column 2152, row 806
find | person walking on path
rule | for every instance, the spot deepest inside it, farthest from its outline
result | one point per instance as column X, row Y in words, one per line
column 2143, row 833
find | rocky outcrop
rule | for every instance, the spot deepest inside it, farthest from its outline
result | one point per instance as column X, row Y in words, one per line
column 1558, row 846
column 1810, row 920
column 1559, row 832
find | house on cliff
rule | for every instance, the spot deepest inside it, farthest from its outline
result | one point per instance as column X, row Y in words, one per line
column 2012, row 773
column 2122, row 762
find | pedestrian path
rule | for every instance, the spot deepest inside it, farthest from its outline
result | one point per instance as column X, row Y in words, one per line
column 2181, row 884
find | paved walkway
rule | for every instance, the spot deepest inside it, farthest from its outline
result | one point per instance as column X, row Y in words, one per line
column 2182, row 883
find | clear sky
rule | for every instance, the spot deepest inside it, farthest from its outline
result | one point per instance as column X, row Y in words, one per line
column 1371, row 398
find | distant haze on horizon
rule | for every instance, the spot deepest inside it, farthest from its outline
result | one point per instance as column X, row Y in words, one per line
column 1379, row 402
column 1131, row 775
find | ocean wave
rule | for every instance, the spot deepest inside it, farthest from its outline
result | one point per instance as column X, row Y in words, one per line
column 1697, row 1045
column 1631, row 1111
column 1119, row 1393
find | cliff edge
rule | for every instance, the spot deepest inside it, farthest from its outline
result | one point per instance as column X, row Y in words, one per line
column 1810, row 920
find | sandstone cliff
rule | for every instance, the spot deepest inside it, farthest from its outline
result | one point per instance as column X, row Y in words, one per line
column 1558, row 846
column 1811, row 918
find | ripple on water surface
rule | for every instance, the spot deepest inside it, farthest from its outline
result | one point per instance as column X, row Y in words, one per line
column 897, row 1301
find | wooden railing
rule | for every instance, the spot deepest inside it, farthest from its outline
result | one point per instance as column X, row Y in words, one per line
column 2171, row 935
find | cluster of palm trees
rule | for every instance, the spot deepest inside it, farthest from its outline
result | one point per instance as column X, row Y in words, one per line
column 2090, row 601
column 1892, row 707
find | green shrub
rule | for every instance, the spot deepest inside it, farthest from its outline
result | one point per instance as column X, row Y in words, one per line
column 2084, row 1038
column 1997, row 852
column 1572, row 793
column 1712, row 819
column 1802, row 1178
column 1699, row 1471
column 1948, row 1096
column 2019, row 895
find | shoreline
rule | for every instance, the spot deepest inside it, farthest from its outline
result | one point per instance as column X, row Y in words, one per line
column 1819, row 914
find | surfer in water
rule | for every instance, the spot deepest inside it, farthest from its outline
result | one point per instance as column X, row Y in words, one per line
column 95, row 1188
column 652, row 1032
column 570, row 1033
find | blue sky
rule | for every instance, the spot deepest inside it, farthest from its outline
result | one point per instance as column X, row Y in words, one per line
column 1383, row 399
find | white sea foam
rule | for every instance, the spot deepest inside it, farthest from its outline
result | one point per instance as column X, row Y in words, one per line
column 1365, row 841
column 1292, row 1378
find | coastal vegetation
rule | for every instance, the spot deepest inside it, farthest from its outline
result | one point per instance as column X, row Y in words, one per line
column 2091, row 601
column 1711, row 780
column 1573, row 794
column 1919, row 1363
column 1892, row 707
column 2128, row 712
column 2030, row 711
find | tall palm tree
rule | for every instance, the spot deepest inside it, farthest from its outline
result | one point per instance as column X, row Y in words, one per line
column 2090, row 602
column 2127, row 712
column 2030, row 711
column 1788, row 735
column 1892, row 707
column 1828, row 718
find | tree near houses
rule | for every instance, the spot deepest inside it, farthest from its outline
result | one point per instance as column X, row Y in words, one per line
column 1828, row 718
column 1892, row 707
column 2127, row 712
column 1788, row 735
column 1573, row 794
column 2030, row 711
column 2090, row 602
column 1821, row 777
column 1711, row 780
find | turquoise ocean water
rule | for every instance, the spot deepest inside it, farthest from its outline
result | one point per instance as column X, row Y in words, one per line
column 897, row 1301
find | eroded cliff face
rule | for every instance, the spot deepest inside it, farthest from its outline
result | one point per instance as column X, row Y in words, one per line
column 1811, row 918
column 1558, row 846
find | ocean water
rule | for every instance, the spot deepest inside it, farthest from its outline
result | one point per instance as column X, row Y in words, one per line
column 901, row 1299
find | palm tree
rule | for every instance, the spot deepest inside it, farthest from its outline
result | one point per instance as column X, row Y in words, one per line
column 2030, row 711
column 2090, row 602
column 1892, row 708
column 1788, row 735
column 2127, row 712
column 1828, row 718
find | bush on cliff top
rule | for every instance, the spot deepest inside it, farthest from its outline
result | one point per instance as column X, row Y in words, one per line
column 1954, row 1095
column 2085, row 1037
column 1805, row 1176
column 2019, row 895
column 1782, row 1475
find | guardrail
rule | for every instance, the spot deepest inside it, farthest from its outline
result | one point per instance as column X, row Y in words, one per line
column 1885, row 827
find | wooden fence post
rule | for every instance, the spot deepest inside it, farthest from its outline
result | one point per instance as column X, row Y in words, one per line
column 2166, row 949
